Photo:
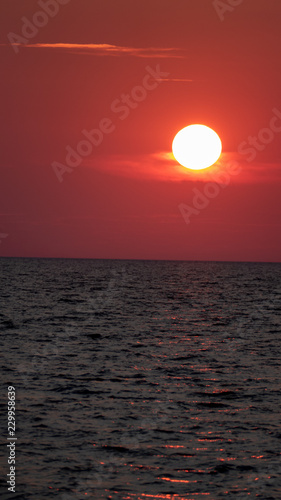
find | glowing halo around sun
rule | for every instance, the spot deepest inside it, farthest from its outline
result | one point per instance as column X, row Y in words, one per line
column 197, row 147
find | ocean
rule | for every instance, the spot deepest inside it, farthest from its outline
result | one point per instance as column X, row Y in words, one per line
column 141, row 379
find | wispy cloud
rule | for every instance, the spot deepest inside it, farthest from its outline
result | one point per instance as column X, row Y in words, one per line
column 176, row 80
column 159, row 166
column 103, row 49
column 163, row 166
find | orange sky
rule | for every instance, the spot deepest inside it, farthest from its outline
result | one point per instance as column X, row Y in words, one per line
column 92, row 95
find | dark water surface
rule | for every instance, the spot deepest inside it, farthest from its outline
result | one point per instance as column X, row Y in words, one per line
column 142, row 379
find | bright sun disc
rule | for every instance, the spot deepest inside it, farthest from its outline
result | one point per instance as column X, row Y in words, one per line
column 197, row 147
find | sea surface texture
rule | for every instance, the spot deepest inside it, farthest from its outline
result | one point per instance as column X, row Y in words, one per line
column 142, row 379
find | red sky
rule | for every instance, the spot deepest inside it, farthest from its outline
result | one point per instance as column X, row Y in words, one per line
column 220, row 66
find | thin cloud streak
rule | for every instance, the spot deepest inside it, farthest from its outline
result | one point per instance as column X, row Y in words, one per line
column 176, row 80
column 108, row 50
column 162, row 166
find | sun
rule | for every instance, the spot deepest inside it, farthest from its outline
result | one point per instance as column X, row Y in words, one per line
column 197, row 147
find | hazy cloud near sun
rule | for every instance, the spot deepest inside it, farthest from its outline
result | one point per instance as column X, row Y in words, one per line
column 162, row 166
column 104, row 49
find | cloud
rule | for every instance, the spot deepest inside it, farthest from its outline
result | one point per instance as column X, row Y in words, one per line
column 176, row 80
column 162, row 166
column 104, row 49
column 143, row 166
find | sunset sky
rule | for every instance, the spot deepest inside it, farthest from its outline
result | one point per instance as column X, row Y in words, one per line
column 127, row 76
